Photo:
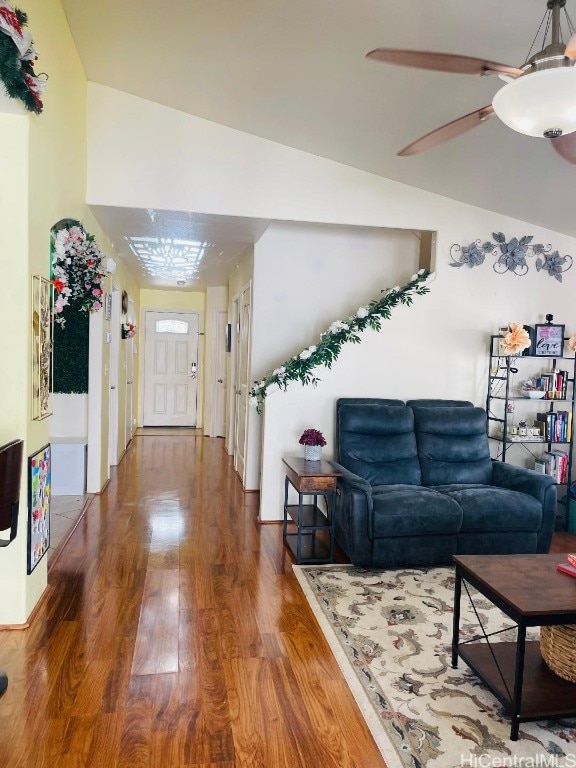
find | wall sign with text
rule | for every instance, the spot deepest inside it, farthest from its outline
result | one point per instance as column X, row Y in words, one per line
column 549, row 340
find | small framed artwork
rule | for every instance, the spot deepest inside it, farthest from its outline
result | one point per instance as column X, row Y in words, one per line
column 108, row 307
column 38, row 506
column 42, row 341
column 549, row 340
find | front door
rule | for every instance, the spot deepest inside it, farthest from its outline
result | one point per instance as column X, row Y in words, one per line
column 171, row 369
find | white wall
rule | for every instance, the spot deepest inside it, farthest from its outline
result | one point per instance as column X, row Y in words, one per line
column 306, row 276
column 437, row 347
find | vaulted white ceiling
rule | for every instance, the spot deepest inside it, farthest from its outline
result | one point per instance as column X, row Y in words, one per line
column 295, row 72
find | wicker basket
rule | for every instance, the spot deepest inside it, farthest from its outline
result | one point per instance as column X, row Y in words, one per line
column 558, row 649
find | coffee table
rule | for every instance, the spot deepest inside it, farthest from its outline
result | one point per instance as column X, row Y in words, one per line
column 531, row 592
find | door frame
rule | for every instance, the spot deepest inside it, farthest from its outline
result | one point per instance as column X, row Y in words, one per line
column 216, row 340
column 200, row 365
column 114, row 399
column 232, row 376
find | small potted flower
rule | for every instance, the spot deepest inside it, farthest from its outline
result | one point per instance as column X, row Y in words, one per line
column 312, row 440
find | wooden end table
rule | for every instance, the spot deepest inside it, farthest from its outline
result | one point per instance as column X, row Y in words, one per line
column 308, row 530
column 531, row 592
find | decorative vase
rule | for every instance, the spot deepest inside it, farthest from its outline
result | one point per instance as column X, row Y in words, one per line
column 312, row 452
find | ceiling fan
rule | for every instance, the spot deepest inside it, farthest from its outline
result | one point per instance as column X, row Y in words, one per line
column 539, row 98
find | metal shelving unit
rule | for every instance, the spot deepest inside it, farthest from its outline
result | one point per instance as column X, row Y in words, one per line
column 501, row 401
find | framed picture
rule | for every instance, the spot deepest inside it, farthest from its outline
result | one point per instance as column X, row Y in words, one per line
column 108, row 307
column 38, row 506
column 549, row 341
column 41, row 347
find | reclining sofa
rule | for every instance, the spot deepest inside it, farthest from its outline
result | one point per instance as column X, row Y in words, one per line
column 418, row 485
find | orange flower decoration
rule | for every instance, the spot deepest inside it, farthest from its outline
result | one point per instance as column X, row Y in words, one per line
column 572, row 343
column 516, row 339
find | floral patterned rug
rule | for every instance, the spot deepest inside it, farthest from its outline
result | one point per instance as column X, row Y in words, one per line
column 391, row 633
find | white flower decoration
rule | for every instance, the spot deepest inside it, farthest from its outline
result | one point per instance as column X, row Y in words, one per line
column 280, row 372
column 307, row 353
column 254, row 401
column 338, row 325
column 362, row 313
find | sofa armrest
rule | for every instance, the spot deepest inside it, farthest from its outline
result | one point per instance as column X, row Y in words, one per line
column 353, row 515
column 350, row 482
column 521, row 479
column 541, row 487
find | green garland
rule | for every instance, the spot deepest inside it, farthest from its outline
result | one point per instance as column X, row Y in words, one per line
column 16, row 66
column 300, row 367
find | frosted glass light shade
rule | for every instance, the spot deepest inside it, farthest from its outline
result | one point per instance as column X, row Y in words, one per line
column 539, row 102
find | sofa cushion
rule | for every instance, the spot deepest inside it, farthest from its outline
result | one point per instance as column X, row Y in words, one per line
column 488, row 508
column 378, row 442
column 453, row 445
column 406, row 510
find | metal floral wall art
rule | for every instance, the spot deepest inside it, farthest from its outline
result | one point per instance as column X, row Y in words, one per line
column 511, row 256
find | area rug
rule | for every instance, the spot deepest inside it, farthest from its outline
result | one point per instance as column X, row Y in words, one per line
column 391, row 633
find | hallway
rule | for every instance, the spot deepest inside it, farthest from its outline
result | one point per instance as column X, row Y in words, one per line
column 175, row 635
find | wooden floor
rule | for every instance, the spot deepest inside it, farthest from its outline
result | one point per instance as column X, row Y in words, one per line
column 175, row 635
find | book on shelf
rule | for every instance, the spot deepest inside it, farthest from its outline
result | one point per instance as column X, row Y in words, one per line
column 554, row 383
column 555, row 427
column 540, row 466
column 556, row 465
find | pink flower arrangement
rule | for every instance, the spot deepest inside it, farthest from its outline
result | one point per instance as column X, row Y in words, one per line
column 516, row 339
column 77, row 272
column 312, row 437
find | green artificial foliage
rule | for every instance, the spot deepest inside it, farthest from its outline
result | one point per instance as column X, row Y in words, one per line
column 327, row 349
column 71, row 352
column 17, row 73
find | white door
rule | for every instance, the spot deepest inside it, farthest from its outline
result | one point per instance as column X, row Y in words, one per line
column 219, row 389
column 241, row 379
column 129, row 362
column 170, row 369
column 114, row 378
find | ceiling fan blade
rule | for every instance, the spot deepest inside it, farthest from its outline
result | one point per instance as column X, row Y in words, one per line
column 566, row 147
column 571, row 48
column 440, row 62
column 448, row 131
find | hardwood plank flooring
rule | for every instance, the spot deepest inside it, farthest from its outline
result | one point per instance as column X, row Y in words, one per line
column 175, row 635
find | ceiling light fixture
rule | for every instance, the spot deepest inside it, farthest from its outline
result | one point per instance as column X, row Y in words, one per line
column 542, row 100
column 167, row 257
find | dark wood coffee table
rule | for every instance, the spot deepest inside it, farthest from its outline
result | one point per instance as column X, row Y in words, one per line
column 529, row 590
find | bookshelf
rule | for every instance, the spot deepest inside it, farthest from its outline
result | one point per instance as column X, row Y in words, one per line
column 546, row 441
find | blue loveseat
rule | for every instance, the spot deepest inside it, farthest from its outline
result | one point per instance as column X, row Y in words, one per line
column 418, row 485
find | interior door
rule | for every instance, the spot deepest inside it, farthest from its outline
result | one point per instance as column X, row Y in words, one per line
column 242, row 379
column 171, row 369
column 219, row 397
column 113, row 427
column 129, row 362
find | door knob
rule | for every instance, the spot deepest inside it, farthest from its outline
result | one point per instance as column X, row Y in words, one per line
column 220, row 381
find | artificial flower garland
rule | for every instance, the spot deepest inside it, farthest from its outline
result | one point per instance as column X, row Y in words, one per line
column 77, row 272
column 326, row 352
column 17, row 57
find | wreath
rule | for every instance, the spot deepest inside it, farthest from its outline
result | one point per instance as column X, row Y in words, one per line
column 17, row 57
